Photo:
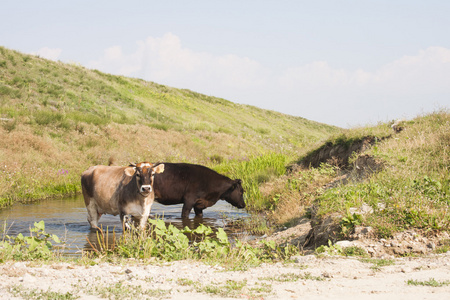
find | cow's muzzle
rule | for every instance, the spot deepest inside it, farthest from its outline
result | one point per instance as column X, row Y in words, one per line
column 146, row 189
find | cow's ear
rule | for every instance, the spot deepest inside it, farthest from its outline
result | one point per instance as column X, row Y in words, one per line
column 130, row 171
column 158, row 168
column 237, row 182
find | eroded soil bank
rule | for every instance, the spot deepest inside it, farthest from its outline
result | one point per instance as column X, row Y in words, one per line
column 309, row 277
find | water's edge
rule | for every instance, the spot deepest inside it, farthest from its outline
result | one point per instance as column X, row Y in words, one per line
column 67, row 218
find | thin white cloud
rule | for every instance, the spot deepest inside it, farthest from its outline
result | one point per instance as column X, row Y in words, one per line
column 165, row 61
column 49, row 53
column 403, row 88
column 316, row 90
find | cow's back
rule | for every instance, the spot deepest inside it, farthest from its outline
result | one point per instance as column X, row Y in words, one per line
column 180, row 179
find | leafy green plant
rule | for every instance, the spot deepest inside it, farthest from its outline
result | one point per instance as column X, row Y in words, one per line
column 170, row 243
column 349, row 222
column 330, row 249
column 355, row 251
column 273, row 251
column 36, row 246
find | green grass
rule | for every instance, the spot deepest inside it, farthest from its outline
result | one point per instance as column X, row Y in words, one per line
column 255, row 171
column 26, row 293
column 413, row 191
column 378, row 263
column 293, row 277
column 230, row 288
column 443, row 247
column 430, row 282
column 121, row 290
column 410, row 191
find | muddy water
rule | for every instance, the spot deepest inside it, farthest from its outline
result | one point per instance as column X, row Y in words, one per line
column 67, row 218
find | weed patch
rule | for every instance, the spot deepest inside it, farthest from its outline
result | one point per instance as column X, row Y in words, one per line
column 21, row 291
column 293, row 277
column 39, row 245
column 121, row 290
column 430, row 282
column 169, row 243
column 378, row 263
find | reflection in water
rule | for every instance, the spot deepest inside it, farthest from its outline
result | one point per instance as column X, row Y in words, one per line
column 67, row 218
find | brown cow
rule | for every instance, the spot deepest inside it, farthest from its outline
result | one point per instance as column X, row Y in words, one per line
column 196, row 187
column 119, row 190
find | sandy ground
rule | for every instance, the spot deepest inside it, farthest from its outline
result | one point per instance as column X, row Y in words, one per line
column 310, row 277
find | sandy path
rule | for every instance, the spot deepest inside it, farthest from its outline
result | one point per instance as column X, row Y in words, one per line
column 308, row 278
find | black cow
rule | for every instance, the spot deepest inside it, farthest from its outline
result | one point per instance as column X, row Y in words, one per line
column 197, row 187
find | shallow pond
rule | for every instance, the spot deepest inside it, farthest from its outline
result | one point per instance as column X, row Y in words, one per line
column 67, row 218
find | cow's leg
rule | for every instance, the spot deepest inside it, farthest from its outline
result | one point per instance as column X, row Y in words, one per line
column 187, row 207
column 145, row 214
column 93, row 215
column 123, row 220
column 127, row 220
column 200, row 205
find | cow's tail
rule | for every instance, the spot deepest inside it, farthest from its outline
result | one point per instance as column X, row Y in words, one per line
column 87, row 185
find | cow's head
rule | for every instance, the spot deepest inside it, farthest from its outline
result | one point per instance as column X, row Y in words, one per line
column 235, row 194
column 144, row 172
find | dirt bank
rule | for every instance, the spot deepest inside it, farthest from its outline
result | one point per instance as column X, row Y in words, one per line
column 309, row 277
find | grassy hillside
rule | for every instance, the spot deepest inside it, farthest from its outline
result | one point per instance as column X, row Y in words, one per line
column 57, row 119
column 400, row 182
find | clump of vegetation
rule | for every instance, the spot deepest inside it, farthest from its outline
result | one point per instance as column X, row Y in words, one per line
column 377, row 263
column 169, row 243
column 443, row 247
column 293, row 277
column 120, row 290
column 254, row 172
column 21, row 291
column 231, row 288
column 39, row 245
column 431, row 282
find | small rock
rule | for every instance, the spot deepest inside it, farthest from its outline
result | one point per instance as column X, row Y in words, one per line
column 304, row 259
column 27, row 278
column 19, row 265
column 128, row 271
column 431, row 245
column 345, row 244
column 418, row 248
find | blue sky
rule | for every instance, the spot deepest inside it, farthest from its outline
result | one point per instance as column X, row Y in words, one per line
column 346, row 63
